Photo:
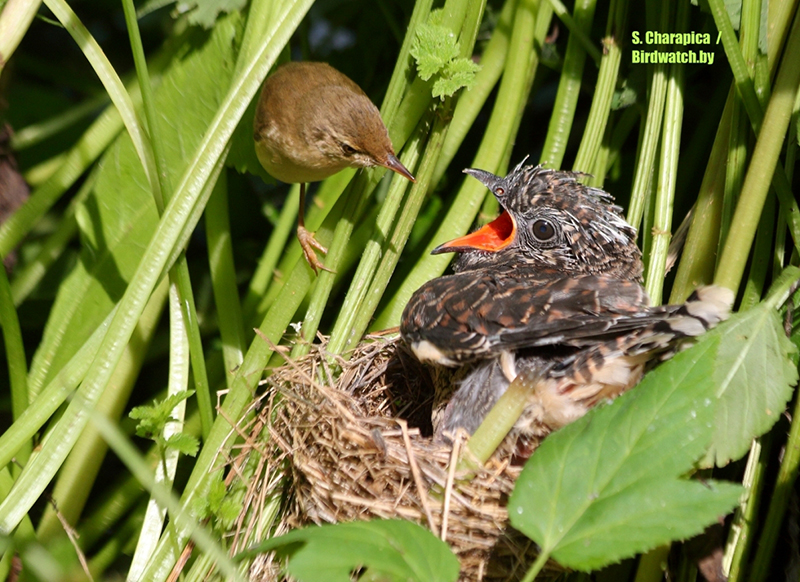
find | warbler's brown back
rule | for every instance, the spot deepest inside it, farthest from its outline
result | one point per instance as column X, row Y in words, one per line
column 312, row 121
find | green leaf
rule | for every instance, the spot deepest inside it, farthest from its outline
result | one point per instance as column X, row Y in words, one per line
column 118, row 219
column 221, row 504
column 754, row 376
column 434, row 46
column 153, row 418
column 205, row 12
column 209, row 504
column 436, row 51
column 458, row 74
column 734, row 8
column 610, row 485
column 388, row 549
column 184, row 443
column 229, row 511
column 624, row 96
column 242, row 155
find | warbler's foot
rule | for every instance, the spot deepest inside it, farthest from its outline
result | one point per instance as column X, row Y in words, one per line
column 308, row 244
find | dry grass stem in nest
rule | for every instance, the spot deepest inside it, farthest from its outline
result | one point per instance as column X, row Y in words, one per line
column 361, row 450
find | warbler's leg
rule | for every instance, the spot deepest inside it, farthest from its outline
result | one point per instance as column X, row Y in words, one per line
column 307, row 240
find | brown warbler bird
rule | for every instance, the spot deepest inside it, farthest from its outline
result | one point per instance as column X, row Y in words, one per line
column 312, row 122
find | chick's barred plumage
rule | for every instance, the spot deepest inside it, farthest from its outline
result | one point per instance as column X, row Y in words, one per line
column 550, row 291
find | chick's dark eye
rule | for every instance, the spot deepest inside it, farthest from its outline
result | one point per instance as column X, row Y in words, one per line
column 543, row 230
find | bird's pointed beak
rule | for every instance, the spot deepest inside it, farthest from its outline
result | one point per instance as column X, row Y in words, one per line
column 492, row 237
column 394, row 165
column 486, row 178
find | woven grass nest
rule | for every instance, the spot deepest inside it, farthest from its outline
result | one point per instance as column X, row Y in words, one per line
column 361, row 449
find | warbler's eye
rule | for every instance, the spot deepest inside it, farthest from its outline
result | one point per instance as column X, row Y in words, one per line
column 347, row 149
column 543, row 230
column 499, row 190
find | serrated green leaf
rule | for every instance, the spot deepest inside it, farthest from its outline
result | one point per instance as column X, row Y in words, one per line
column 434, row 46
column 209, row 504
column 436, row 17
column 754, row 377
column 229, row 511
column 118, row 219
column 609, row 485
column 222, row 505
column 173, row 400
column 200, row 507
column 463, row 71
column 391, row 550
column 216, row 494
column 184, row 443
column 457, row 74
column 154, row 417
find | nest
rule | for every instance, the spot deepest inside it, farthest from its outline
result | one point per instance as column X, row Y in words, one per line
column 361, row 449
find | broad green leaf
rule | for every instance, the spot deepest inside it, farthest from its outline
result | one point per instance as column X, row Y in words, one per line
column 795, row 334
column 611, row 484
column 734, row 8
column 754, row 377
column 117, row 221
column 113, row 238
column 205, row 12
column 242, row 156
column 391, row 550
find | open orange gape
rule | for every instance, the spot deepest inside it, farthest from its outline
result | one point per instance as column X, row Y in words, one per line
column 492, row 237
